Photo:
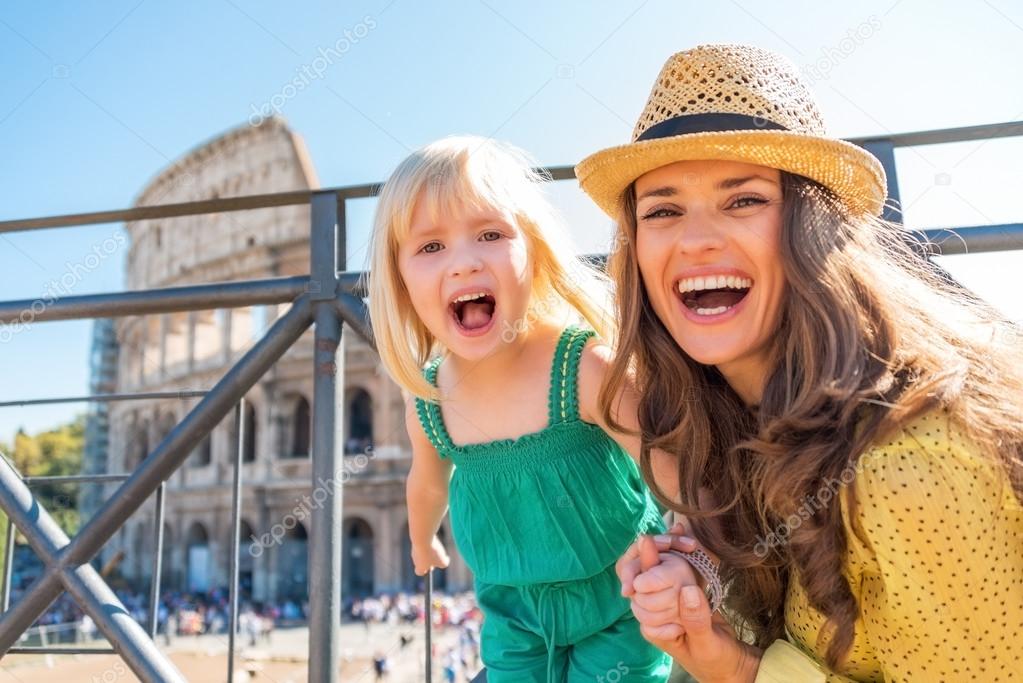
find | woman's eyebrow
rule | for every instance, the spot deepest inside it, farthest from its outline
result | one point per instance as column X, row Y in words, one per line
column 666, row 191
column 726, row 184
column 729, row 183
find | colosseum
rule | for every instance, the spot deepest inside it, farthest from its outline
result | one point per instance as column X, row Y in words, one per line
column 191, row 351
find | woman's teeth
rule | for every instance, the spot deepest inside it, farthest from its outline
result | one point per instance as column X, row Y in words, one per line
column 712, row 311
column 710, row 295
column 695, row 284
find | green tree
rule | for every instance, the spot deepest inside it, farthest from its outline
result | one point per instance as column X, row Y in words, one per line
column 54, row 452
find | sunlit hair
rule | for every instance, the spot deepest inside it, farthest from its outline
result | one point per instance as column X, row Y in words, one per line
column 449, row 175
column 871, row 335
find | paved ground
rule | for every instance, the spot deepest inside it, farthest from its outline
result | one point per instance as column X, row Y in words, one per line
column 285, row 660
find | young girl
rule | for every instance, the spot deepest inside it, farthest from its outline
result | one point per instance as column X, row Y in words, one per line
column 860, row 418
column 469, row 267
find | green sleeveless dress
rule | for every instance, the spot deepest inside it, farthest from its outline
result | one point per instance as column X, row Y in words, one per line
column 541, row 520
column 560, row 504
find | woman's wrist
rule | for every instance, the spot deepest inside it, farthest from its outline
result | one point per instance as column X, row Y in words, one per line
column 749, row 664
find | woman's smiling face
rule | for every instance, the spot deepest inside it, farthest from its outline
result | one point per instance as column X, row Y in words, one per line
column 707, row 245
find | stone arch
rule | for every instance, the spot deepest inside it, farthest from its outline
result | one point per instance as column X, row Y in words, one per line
column 357, row 563
column 246, row 560
column 138, row 445
column 359, row 421
column 198, row 564
column 168, row 572
column 301, row 428
column 251, row 434
column 293, row 564
column 165, row 424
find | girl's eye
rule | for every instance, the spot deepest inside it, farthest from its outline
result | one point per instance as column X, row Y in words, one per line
column 491, row 236
column 745, row 202
column 662, row 212
column 431, row 248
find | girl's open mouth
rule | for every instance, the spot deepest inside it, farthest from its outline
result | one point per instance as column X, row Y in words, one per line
column 713, row 295
column 474, row 312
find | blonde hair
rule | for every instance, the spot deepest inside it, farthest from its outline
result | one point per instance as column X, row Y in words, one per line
column 448, row 175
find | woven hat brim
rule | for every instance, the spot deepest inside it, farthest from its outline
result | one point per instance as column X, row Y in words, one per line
column 853, row 173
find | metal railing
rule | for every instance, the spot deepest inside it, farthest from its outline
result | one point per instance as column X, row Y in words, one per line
column 325, row 299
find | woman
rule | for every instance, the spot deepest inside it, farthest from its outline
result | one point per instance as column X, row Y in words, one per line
column 848, row 419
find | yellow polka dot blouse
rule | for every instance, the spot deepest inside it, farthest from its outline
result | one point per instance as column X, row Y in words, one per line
column 939, row 580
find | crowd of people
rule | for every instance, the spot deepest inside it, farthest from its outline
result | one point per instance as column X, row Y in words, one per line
column 461, row 612
column 184, row 614
column 178, row 614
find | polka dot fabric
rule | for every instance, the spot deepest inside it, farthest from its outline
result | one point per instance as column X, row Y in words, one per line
column 939, row 575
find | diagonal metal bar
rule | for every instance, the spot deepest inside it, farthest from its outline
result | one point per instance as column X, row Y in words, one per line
column 128, row 637
column 355, row 314
column 67, row 561
column 206, row 415
column 83, row 582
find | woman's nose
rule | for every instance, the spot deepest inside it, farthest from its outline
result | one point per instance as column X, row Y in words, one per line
column 700, row 231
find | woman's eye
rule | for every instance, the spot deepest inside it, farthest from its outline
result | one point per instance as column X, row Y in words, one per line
column 661, row 213
column 491, row 236
column 431, row 248
column 744, row 202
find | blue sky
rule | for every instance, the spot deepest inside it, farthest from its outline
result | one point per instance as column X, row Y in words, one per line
column 96, row 98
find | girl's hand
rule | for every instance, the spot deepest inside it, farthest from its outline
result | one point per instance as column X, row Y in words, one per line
column 674, row 615
column 425, row 558
column 628, row 566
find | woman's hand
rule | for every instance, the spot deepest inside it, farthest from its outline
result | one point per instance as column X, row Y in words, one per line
column 674, row 615
column 426, row 557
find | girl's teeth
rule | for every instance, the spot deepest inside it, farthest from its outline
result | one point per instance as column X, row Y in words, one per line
column 712, row 311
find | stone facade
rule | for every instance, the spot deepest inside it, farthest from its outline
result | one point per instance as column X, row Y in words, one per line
column 191, row 351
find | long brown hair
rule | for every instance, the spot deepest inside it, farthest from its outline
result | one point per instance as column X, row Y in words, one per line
column 870, row 336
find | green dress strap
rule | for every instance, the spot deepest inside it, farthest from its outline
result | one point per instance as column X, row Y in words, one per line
column 430, row 415
column 563, row 402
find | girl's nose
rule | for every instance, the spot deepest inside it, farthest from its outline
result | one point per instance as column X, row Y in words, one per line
column 464, row 262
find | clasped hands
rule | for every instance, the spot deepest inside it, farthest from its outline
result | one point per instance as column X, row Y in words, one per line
column 674, row 614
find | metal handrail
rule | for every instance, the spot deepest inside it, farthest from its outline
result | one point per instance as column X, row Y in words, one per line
column 325, row 298
column 366, row 190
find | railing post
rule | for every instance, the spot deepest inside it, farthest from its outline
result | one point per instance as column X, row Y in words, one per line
column 429, row 625
column 154, row 584
column 884, row 150
column 236, row 513
column 328, row 440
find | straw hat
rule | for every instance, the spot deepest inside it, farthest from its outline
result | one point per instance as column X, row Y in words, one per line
column 734, row 103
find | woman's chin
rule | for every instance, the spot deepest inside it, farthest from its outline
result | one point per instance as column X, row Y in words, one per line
column 709, row 350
